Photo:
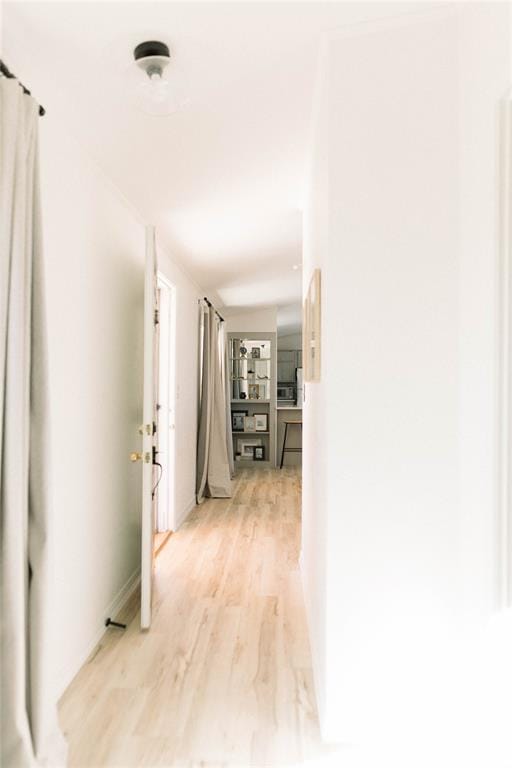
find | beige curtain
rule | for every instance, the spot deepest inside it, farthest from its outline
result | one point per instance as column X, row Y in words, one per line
column 213, row 470
column 29, row 733
column 227, row 397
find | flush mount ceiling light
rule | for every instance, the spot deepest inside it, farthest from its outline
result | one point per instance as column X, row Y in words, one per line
column 157, row 84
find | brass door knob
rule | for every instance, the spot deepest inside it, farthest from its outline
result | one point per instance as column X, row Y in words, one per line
column 134, row 456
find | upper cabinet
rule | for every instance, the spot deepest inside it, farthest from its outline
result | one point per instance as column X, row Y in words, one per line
column 288, row 360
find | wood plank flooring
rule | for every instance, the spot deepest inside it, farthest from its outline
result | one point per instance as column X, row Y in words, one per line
column 160, row 540
column 224, row 675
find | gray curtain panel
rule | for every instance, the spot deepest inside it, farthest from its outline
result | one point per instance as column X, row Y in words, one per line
column 213, row 471
column 227, row 397
column 29, row 731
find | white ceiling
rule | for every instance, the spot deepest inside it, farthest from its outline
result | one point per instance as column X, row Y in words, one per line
column 223, row 180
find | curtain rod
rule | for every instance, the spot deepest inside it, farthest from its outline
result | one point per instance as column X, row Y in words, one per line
column 7, row 73
column 211, row 305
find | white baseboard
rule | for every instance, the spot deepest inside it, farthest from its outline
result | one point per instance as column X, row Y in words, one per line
column 67, row 673
column 124, row 594
column 182, row 516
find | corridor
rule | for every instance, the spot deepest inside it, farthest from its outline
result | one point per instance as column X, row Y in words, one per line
column 224, row 676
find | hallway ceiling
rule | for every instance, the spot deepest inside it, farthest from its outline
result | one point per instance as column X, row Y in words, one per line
column 223, row 180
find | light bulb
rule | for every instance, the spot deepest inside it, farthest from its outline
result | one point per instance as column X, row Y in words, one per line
column 159, row 87
column 156, row 82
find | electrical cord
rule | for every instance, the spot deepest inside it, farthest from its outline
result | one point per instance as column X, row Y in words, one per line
column 157, row 464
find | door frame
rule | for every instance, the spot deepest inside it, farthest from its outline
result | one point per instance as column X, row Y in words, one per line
column 504, row 383
column 148, row 426
column 169, row 476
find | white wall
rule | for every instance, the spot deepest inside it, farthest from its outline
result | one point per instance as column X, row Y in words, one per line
column 257, row 320
column 398, row 436
column 315, row 406
column 94, row 250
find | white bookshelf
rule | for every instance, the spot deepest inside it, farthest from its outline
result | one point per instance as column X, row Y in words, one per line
column 256, row 378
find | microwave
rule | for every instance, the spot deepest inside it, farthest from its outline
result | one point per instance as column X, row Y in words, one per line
column 285, row 392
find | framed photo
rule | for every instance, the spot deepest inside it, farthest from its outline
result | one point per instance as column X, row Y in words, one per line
column 245, row 448
column 312, row 329
column 249, row 424
column 254, row 391
column 258, row 453
column 260, row 422
column 256, row 352
column 237, row 420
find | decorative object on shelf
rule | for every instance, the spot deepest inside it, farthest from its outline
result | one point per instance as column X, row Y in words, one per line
column 312, row 329
column 243, row 351
column 249, row 424
column 245, row 448
column 254, row 392
column 243, row 395
column 255, row 353
column 260, row 422
column 237, row 420
column 258, row 453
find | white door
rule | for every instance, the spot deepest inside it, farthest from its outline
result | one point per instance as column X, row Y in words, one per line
column 149, row 425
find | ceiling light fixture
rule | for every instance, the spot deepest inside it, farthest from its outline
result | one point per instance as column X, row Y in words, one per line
column 296, row 267
column 158, row 87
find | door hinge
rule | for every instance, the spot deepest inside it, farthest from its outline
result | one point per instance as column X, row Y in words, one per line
column 156, row 317
column 147, row 457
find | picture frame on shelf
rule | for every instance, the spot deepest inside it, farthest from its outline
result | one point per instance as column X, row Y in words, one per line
column 249, row 424
column 258, row 453
column 237, row 420
column 255, row 391
column 260, row 422
column 245, row 448
column 255, row 353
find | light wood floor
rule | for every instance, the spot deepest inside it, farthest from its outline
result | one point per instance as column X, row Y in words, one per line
column 160, row 540
column 224, row 675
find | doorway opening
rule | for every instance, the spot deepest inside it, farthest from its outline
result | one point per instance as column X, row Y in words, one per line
column 166, row 412
column 290, row 394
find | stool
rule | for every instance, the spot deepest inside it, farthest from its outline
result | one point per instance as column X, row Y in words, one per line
column 290, row 450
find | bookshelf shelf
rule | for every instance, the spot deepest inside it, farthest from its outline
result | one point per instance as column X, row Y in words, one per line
column 259, row 432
